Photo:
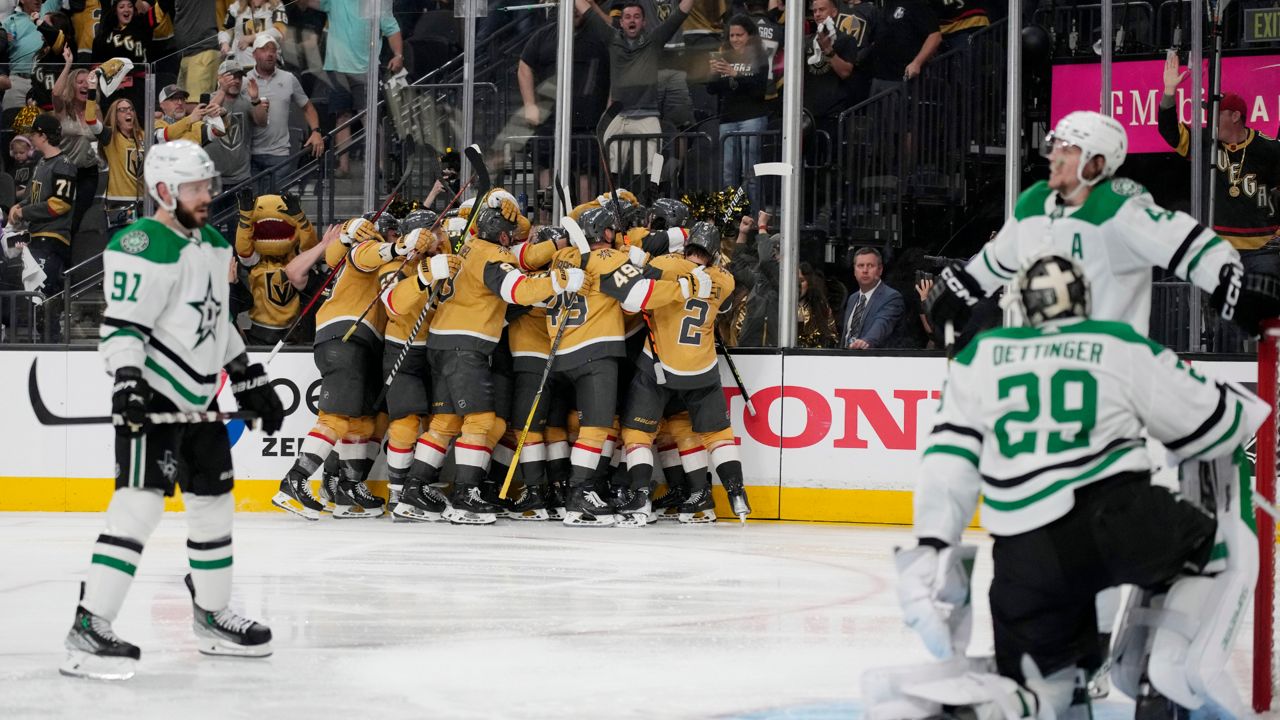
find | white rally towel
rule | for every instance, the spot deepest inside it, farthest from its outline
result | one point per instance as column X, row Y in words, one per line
column 32, row 274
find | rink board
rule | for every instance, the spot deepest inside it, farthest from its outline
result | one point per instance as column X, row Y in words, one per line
column 836, row 437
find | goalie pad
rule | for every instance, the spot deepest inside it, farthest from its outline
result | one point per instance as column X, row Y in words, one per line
column 922, row 691
column 1191, row 629
column 933, row 590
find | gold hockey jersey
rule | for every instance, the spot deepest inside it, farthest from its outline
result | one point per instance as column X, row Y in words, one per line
column 355, row 287
column 684, row 330
column 124, row 166
column 267, row 239
column 527, row 336
column 404, row 300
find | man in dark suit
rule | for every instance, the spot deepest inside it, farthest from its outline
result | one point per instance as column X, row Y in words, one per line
column 871, row 315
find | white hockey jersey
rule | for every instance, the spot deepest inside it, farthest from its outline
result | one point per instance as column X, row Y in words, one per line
column 1029, row 415
column 1118, row 235
column 168, row 311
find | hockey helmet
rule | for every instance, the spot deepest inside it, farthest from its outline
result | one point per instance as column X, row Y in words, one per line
column 490, row 225
column 386, row 223
column 1095, row 134
column 176, row 163
column 594, row 222
column 553, row 233
column 420, row 218
column 667, row 213
column 705, row 236
column 1052, row 288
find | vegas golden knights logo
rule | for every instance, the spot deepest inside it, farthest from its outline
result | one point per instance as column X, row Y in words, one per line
column 133, row 162
column 279, row 290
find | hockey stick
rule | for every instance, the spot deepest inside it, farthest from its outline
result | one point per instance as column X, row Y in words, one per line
column 411, row 256
column 332, row 274
column 655, row 178
column 737, row 377
column 482, row 174
column 47, row 417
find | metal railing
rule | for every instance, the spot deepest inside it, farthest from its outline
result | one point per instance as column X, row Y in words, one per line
column 1136, row 19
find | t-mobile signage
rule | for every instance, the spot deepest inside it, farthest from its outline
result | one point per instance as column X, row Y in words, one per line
column 1136, row 88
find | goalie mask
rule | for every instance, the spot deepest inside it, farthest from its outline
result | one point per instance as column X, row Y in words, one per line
column 1052, row 288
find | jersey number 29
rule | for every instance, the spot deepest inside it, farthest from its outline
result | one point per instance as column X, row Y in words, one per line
column 1073, row 406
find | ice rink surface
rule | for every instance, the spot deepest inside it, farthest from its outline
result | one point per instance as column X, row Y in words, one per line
column 517, row 620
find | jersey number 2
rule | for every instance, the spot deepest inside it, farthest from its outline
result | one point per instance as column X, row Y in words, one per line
column 691, row 326
column 1073, row 403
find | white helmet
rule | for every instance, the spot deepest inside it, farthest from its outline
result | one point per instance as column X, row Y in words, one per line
column 1095, row 134
column 174, row 163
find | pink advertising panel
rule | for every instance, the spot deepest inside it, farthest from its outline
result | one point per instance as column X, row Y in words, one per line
column 1137, row 87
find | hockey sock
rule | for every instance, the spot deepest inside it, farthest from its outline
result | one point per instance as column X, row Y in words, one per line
column 500, row 460
column 316, row 449
column 672, row 469
column 728, row 466
column 428, row 458
column 471, row 452
column 585, row 455
column 640, row 466
column 694, row 461
column 533, row 461
column 350, row 457
column 209, row 548
column 132, row 516
column 331, row 465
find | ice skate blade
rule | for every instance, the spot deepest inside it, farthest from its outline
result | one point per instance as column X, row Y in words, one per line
column 466, row 517
column 527, row 515
column 671, row 514
column 285, row 502
column 210, row 645
column 634, row 520
column 355, row 511
column 87, row 665
column 702, row 517
column 404, row 512
column 578, row 519
column 556, row 513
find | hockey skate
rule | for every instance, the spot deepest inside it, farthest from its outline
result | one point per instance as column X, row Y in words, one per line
column 738, row 502
column 419, row 503
column 555, row 501
column 95, row 651
column 667, row 507
column 586, row 508
column 226, row 633
column 466, row 507
column 353, row 500
column 295, row 497
column 328, row 490
column 698, row 508
column 531, row 504
column 635, row 510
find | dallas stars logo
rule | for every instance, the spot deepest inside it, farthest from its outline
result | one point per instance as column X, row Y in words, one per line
column 210, row 314
column 168, row 465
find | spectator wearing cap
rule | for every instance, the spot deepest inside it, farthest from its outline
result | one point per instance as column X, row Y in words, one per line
column 246, row 19
column 47, row 209
column 75, row 104
column 271, row 91
column 1244, row 188
column 124, row 34
column 195, row 34
column 231, row 152
column 175, row 123
column 346, row 59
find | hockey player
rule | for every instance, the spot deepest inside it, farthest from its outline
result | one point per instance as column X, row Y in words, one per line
column 166, row 337
column 1043, row 425
column 684, row 337
column 464, row 333
column 1114, row 229
column 350, row 380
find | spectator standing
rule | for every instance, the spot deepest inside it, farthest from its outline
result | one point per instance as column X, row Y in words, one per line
column 22, row 161
column 634, row 60
column 25, row 42
column 123, row 33
column 165, row 60
column 195, row 34
column 958, row 19
column 85, row 17
column 1244, row 201
column 271, row 91
column 5, row 81
column 815, row 323
column 771, row 38
column 838, row 44
column 75, row 104
column 908, row 37
column 231, row 151
column 346, row 60
column 47, row 208
column 245, row 20
column 175, row 123
column 536, row 73
column 121, row 145
column 741, row 74
column 871, row 315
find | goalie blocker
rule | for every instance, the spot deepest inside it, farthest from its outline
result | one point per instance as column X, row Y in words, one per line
column 1044, row 423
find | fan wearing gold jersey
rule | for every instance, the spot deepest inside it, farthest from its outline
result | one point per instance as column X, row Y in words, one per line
column 684, row 335
column 464, row 333
column 350, row 380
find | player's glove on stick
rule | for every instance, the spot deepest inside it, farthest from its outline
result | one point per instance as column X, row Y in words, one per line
column 952, row 297
column 437, row 268
column 933, row 590
column 567, row 280
column 129, row 397
column 253, row 391
column 1246, row 298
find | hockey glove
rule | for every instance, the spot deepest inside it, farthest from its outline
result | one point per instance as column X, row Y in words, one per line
column 1246, row 298
column 422, row 241
column 696, row 284
column 129, row 397
column 952, row 297
column 358, row 230
column 637, row 256
column 933, row 590
column 253, row 391
column 436, row 268
column 567, row 280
